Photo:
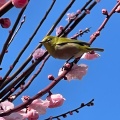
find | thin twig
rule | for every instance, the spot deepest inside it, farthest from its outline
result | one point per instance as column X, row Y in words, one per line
column 10, row 86
column 21, row 23
column 31, row 79
column 69, row 23
column 105, row 21
column 4, row 81
column 78, row 19
column 64, row 115
column 10, row 35
column 16, row 87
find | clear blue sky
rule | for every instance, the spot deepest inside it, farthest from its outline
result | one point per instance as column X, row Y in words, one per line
column 102, row 81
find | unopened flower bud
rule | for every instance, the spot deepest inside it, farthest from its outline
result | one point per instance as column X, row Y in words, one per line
column 5, row 22
column 118, row 9
column 97, row 33
column 19, row 3
column 12, row 90
column 67, row 65
column 71, row 113
column 104, row 12
column 87, row 11
column 78, row 11
column 51, row 77
column 0, row 78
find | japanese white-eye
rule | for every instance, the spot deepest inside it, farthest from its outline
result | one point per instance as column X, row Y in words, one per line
column 65, row 48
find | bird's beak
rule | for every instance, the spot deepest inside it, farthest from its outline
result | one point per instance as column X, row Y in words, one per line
column 41, row 42
column 45, row 41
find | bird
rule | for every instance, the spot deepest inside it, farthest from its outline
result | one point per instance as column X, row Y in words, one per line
column 66, row 48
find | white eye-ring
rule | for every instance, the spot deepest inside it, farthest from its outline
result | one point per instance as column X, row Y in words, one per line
column 49, row 39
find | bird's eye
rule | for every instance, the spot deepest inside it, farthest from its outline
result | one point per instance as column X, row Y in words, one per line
column 49, row 39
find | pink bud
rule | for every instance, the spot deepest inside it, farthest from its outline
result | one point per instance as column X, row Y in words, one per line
column 8, row 77
column 22, row 86
column 12, row 90
column 19, row 3
column 6, row 51
column 92, row 37
column 0, row 78
column 104, row 12
column 5, row 22
column 97, row 33
column 78, row 11
column 97, row 1
column 67, row 65
column 71, row 113
column 51, row 77
column 118, row 9
column 11, row 67
column 87, row 11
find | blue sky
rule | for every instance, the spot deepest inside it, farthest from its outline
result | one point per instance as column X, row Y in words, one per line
column 102, row 81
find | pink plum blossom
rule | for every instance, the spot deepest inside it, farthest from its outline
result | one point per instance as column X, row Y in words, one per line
column 2, row 2
column 77, row 72
column 14, row 116
column 19, row 3
column 38, row 53
column 29, row 114
column 56, row 100
column 6, row 105
column 90, row 56
column 39, row 105
column 33, row 115
column 1, row 118
column 5, row 22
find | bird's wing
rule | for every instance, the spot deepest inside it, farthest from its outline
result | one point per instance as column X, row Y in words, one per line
column 67, row 40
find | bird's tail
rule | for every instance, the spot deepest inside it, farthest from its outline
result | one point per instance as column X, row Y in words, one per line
column 96, row 49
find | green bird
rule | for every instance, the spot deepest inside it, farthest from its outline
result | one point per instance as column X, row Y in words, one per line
column 65, row 48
